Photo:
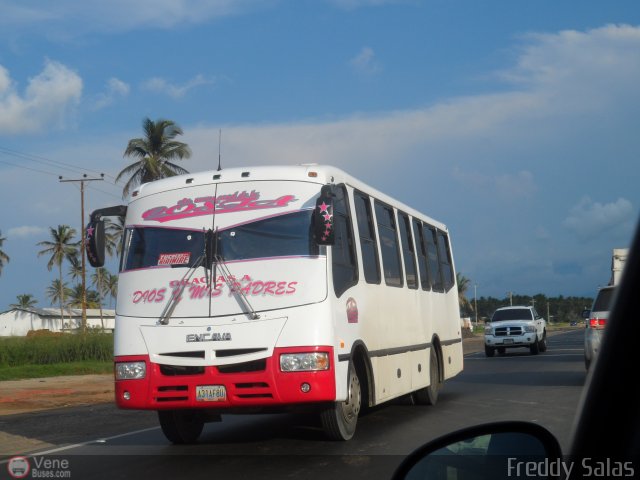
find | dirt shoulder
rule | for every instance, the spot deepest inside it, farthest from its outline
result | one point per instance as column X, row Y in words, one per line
column 37, row 394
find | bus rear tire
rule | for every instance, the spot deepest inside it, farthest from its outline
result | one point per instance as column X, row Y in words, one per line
column 339, row 421
column 429, row 395
column 181, row 426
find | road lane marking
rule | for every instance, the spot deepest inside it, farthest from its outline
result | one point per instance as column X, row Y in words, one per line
column 83, row 444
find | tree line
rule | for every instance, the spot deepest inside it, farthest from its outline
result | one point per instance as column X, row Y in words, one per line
column 554, row 309
column 154, row 155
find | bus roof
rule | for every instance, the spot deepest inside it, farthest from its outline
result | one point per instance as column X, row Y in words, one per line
column 314, row 173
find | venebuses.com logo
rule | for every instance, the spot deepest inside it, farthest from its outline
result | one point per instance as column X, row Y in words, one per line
column 38, row 467
column 18, row 467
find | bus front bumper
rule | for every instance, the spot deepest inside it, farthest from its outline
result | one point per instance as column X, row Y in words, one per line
column 251, row 384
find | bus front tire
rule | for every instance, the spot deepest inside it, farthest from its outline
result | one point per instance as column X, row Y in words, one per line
column 339, row 421
column 181, row 426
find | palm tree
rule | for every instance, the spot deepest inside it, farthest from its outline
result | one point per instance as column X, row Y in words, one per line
column 75, row 297
column 113, row 235
column 4, row 258
column 112, row 287
column 57, row 291
column 463, row 285
column 75, row 269
column 60, row 247
column 25, row 300
column 154, row 154
column 99, row 280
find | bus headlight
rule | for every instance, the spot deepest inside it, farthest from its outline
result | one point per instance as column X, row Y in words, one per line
column 304, row 362
column 130, row 370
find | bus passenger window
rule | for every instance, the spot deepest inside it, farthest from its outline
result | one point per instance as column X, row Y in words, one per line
column 368, row 243
column 446, row 266
column 421, row 249
column 389, row 245
column 408, row 252
column 432, row 256
column 345, row 266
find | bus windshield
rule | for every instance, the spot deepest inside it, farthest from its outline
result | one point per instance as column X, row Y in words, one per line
column 281, row 236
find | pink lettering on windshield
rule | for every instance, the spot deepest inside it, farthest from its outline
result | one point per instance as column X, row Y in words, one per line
column 236, row 202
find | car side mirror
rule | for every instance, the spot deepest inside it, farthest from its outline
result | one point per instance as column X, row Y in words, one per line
column 496, row 450
column 323, row 221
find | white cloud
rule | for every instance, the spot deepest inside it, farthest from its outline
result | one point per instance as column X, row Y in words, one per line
column 507, row 185
column 495, row 133
column 366, row 62
column 26, row 231
column 591, row 219
column 115, row 89
column 48, row 100
column 354, row 4
column 70, row 17
column 160, row 85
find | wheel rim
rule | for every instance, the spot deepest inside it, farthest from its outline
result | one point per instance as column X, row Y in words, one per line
column 351, row 408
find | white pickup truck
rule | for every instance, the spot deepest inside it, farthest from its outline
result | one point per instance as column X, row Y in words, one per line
column 512, row 327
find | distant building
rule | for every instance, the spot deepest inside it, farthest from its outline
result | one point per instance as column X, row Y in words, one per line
column 17, row 322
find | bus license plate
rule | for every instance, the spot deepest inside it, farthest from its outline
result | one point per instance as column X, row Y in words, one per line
column 211, row 393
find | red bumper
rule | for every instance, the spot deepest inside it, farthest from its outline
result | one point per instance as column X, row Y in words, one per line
column 253, row 384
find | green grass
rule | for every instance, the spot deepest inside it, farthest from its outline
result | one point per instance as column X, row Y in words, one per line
column 46, row 349
column 47, row 355
column 55, row 370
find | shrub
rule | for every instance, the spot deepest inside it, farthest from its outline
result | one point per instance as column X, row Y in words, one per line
column 45, row 349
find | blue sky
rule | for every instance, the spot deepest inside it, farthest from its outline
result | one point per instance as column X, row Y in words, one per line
column 514, row 122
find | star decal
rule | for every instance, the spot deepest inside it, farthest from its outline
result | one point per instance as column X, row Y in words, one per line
column 327, row 217
column 90, row 231
column 324, row 207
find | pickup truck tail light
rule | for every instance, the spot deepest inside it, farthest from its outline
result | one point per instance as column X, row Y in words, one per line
column 597, row 323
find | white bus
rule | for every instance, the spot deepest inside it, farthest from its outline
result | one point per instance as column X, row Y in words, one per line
column 272, row 288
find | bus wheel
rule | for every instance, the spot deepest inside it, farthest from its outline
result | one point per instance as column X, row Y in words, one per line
column 429, row 395
column 181, row 426
column 339, row 421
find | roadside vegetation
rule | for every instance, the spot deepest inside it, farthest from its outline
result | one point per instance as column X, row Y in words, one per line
column 47, row 355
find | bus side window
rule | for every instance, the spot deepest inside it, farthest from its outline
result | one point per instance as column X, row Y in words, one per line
column 444, row 254
column 345, row 266
column 408, row 252
column 368, row 243
column 432, row 255
column 389, row 245
column 418, row 234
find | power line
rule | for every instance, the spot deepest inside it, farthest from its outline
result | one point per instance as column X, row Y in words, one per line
column 27, row 168
column 49, row 162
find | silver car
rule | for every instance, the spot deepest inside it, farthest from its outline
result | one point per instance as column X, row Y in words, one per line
column 595, row 323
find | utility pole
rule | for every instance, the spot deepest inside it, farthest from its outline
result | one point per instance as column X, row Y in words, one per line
column 83, row 243
column 510, row 298
column 475, row 297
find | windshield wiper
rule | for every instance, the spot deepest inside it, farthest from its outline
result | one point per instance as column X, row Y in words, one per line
column 167, row 311
column 226, row 274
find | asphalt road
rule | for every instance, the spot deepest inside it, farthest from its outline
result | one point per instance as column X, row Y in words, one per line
column 103, row 442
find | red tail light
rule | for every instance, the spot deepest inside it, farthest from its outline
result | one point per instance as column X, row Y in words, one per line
column 597, row 323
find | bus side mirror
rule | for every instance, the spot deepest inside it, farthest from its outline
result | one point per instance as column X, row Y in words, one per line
column 323, row 224
column 95, row 243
